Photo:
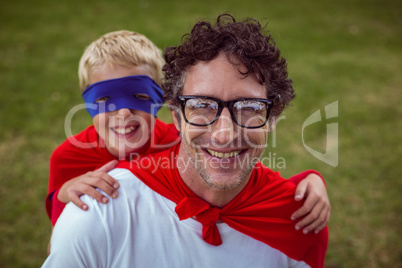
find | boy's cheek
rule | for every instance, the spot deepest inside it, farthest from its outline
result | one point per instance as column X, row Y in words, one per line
column 100, row 122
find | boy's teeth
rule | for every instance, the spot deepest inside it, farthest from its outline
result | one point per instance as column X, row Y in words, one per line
column 223, row 155
column 124, row 130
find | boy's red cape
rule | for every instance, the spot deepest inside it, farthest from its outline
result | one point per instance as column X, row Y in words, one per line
column 86, row 152
column 262, row 210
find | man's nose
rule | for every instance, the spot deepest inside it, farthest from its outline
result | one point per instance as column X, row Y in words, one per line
column 224, row 128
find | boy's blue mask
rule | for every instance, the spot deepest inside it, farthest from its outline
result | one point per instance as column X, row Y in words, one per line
column 121, row 93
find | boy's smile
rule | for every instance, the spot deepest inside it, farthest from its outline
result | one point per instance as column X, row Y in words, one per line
column 124, row 130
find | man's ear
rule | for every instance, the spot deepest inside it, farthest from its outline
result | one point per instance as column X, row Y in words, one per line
column 271, row 123
column 176, row 117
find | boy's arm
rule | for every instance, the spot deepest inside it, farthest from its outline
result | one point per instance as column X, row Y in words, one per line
column 57, row 207
column 316, row 208
column 85, row 184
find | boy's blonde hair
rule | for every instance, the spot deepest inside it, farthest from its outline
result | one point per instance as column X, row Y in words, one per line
column 125, row 48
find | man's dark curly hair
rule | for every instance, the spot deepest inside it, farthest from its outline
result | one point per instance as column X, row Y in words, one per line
column 242, row 41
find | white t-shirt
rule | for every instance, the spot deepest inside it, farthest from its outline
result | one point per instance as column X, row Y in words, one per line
column 141, row 229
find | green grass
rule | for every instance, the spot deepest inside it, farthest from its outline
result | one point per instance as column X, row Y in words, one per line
column 345, row 51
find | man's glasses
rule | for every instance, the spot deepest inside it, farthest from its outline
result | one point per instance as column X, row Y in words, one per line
column 245, row 112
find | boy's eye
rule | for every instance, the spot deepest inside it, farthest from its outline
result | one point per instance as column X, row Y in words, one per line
column 141, row 96
column 103, row 99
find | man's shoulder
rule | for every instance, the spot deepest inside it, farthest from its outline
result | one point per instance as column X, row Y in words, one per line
column 100, row 231
column 124, row 176
column 272, row 180
column 130, row 188
column 276, row 196
column 274, row 193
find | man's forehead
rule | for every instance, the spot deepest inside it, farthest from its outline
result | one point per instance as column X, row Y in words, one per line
column 221, row 78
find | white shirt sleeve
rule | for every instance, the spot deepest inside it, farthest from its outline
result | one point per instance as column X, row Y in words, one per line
column 79, row 238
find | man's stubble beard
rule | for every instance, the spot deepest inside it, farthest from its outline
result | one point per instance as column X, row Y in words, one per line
column 245, row 172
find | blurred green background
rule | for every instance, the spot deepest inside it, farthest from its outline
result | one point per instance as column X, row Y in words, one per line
column 347, row 51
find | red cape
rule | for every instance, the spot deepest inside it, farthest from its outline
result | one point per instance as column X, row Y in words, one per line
column 69, row 161
column 262, row 210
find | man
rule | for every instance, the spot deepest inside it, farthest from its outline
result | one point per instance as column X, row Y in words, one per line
column 206, row 202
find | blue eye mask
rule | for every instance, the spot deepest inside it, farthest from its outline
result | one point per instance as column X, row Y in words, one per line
column 115, row 94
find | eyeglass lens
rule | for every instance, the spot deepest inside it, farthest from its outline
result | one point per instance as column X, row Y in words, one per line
column 247, row 113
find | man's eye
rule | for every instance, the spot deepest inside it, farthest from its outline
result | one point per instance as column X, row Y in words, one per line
column 203, row 106
column 103, row 99
column 141, row 96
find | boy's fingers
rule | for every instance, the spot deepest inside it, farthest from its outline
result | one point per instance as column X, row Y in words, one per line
column 312, row 220
column 110, row 180
column 108, row 166
column 300, row 191
column 314, row 224
column 306, row 208
column 102, row 184
column 78, row 202
column 90, row 191
column 322, row 226
column 105, row 177
column 319, row 228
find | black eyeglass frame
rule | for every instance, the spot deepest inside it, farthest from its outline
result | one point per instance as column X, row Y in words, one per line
column 222, row 104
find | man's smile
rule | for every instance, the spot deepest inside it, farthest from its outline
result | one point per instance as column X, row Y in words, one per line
column 224, row 154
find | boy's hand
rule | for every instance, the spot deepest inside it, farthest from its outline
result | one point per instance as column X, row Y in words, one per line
column 316, row 208
column 86, row 184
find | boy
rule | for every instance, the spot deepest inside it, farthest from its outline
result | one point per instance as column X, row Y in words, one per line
column 116, row 73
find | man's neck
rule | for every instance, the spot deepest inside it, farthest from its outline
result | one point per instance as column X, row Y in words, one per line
column 191, row 177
